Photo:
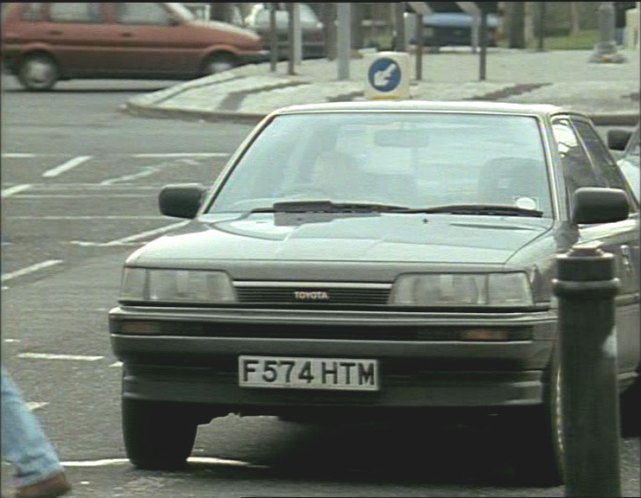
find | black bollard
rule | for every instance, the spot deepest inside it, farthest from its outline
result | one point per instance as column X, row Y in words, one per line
column 586, row 287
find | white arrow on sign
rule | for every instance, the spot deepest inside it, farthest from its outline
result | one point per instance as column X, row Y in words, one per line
column 381, row 78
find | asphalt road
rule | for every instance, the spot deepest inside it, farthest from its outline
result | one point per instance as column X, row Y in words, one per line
column 79, row 188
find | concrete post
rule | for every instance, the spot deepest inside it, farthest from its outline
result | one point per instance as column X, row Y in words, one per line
column 419, row 47
column 298, row 34
column 588, row 367
column 291, row 59
column 273, row 38
column 483, row 39
column 606, row 49
column 343, row 39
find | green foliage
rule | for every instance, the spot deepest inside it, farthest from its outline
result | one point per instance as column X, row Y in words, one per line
column 584, row 40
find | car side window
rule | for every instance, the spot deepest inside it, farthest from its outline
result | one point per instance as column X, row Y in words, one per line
column 75, row 12
column 141, row 13
column 603, row 163
column 577, row 168
column 32, row 11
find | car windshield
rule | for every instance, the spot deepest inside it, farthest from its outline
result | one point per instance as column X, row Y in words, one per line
column 406, row 159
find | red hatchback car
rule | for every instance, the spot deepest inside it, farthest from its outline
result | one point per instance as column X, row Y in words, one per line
column 46, row 42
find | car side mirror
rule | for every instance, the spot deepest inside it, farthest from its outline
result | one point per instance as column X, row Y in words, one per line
column 599, row 205
column 618, row 139
column 181, row 200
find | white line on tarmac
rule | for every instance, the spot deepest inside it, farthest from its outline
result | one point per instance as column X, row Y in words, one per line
column 8, row 192
column 131, row 238
column 118, row 364
column 150, row 170
column 96, row 217
column 183, row 154
column 34, row 405
column 51, row 356
column 18, row 155
column 120, row 461
column 30, row 269
column 72, row 163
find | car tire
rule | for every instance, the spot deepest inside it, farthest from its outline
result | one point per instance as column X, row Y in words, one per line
column 157, row 435
column 630, row 410
column 544, row 429
column 38, row 72
column 219, row 62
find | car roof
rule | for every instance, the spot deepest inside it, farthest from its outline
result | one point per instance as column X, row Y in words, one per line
column 467, row 106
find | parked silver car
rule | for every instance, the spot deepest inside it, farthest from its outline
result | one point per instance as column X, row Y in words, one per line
column 311, row 27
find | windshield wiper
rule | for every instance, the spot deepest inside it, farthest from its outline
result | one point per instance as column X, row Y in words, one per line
column 483, row 209
column 322, row 206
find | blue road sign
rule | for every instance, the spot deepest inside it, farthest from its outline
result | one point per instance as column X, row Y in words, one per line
column 384, row 74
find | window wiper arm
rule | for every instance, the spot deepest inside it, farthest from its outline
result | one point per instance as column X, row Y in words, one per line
column 488, row 209
column 323, row 206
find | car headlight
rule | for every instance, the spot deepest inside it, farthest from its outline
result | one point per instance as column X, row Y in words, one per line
column 176, row 286
column 495, row 289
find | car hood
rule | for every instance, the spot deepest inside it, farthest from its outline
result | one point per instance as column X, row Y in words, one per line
column 357, row 238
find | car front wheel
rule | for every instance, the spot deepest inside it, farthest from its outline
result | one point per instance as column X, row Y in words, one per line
column 217, row 63
column 157, row 435
column 543, row 430
column 38, row 72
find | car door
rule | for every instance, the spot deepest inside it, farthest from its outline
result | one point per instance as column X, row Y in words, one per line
column 151, row 43
column 77, row 36
column 587, row 163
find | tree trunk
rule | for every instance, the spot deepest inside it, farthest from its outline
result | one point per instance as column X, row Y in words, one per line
column 515, row 20
column 357, row 25
column 575, row 19
column 328, row 18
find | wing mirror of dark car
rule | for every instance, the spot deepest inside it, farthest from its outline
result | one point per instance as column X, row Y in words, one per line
column 181, row 200
column 618, row 139
column 599, row 205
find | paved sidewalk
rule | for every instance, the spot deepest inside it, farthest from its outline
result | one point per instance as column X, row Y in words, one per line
column 609, row 92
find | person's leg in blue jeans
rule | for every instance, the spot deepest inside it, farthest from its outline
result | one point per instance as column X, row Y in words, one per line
column 38, row 471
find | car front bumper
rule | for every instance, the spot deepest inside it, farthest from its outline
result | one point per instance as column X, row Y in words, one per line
column 191, row 356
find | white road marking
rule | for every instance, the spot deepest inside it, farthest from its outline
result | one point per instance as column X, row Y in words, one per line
column 14, row 155
column 51, row 356
column 34, row 405
column 96, row 217
column 131, row 238
column 84, row 196
column 30, row 269
column 12, row 340
column 150, row 170
column 8, row 192
column 118, row 364
column 183, row 154
column 121, row 461
column 72, row 163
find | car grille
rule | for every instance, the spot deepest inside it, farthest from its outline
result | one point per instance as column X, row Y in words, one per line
column 322, row 294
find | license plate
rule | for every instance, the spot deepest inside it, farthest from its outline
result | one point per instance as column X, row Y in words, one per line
column 345, row 374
